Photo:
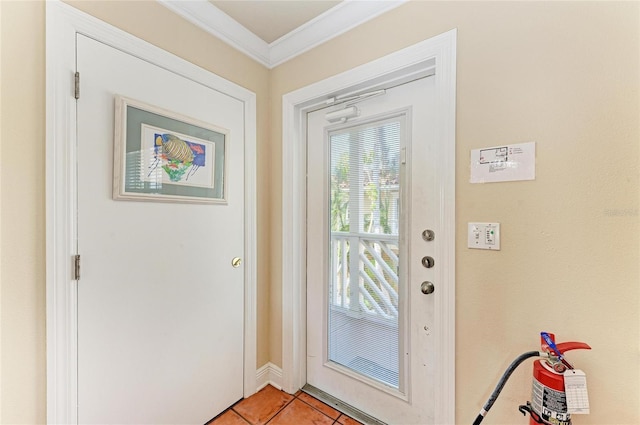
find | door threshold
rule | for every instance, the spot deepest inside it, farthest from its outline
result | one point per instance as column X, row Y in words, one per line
column 341, row 406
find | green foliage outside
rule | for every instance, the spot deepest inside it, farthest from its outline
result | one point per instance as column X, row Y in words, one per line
column 376, row 201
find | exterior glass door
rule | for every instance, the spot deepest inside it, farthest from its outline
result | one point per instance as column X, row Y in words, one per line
column 371, row 193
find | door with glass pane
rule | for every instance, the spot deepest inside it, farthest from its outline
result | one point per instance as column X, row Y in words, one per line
column 369, row 187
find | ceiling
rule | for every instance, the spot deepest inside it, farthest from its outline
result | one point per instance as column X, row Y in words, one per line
column 274, row 31
column 272, row 19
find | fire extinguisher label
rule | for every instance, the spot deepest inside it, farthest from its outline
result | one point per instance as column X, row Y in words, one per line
column 549, row 404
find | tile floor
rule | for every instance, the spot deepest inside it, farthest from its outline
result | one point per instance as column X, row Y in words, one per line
column 274, row 407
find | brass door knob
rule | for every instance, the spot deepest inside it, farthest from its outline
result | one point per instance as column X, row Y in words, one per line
column 236, row 262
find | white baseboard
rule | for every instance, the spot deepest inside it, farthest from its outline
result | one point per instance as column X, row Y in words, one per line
column 268, row 374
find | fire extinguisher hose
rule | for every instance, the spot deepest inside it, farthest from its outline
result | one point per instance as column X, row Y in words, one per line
column 503, row 381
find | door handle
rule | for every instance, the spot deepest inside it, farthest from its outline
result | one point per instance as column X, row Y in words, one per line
column 427, row 288
column 236, row 262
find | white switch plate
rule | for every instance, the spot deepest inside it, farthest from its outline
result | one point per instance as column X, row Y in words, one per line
column 484, row 236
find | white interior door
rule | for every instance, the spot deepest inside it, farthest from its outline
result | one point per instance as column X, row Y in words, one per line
column 160, row 307
column 371, row 192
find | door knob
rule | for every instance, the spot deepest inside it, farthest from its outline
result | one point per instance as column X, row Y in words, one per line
column 427, row 288
column 236, row 262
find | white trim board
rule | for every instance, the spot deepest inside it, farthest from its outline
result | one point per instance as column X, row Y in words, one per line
column 347, row 15
column 435, row 54
column 268, row 374
column 63, row 22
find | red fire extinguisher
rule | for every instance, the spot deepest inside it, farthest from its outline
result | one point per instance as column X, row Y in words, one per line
column 549, row 403
column 548, row 400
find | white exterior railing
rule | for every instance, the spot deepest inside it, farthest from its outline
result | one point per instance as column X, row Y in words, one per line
column 375, row 285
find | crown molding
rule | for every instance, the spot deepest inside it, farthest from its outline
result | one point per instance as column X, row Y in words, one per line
column 337, row 20
column 217, row 23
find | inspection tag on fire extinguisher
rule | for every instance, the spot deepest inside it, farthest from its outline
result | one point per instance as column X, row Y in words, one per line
column 575, row 387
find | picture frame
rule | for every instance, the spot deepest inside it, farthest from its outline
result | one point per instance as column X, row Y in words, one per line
column 163, row 156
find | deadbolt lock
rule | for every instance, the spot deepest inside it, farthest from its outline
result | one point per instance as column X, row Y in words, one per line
column 428, row 262
column 428, row 235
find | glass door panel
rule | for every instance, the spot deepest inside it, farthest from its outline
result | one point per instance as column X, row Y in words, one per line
column 364, row 209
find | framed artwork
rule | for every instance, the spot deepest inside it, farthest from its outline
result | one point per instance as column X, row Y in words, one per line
column 166, row 157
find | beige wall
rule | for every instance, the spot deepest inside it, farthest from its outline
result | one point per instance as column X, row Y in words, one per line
column 565, row 75
column 22, row 177
column 0, row 216
column 22, row 260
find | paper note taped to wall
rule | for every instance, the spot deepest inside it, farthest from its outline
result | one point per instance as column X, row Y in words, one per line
column 504, row 163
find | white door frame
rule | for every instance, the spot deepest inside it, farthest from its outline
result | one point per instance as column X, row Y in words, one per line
column 435, row 54
column 63, row 22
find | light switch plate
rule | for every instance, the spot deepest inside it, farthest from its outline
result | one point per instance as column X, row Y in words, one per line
column 484, row 236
